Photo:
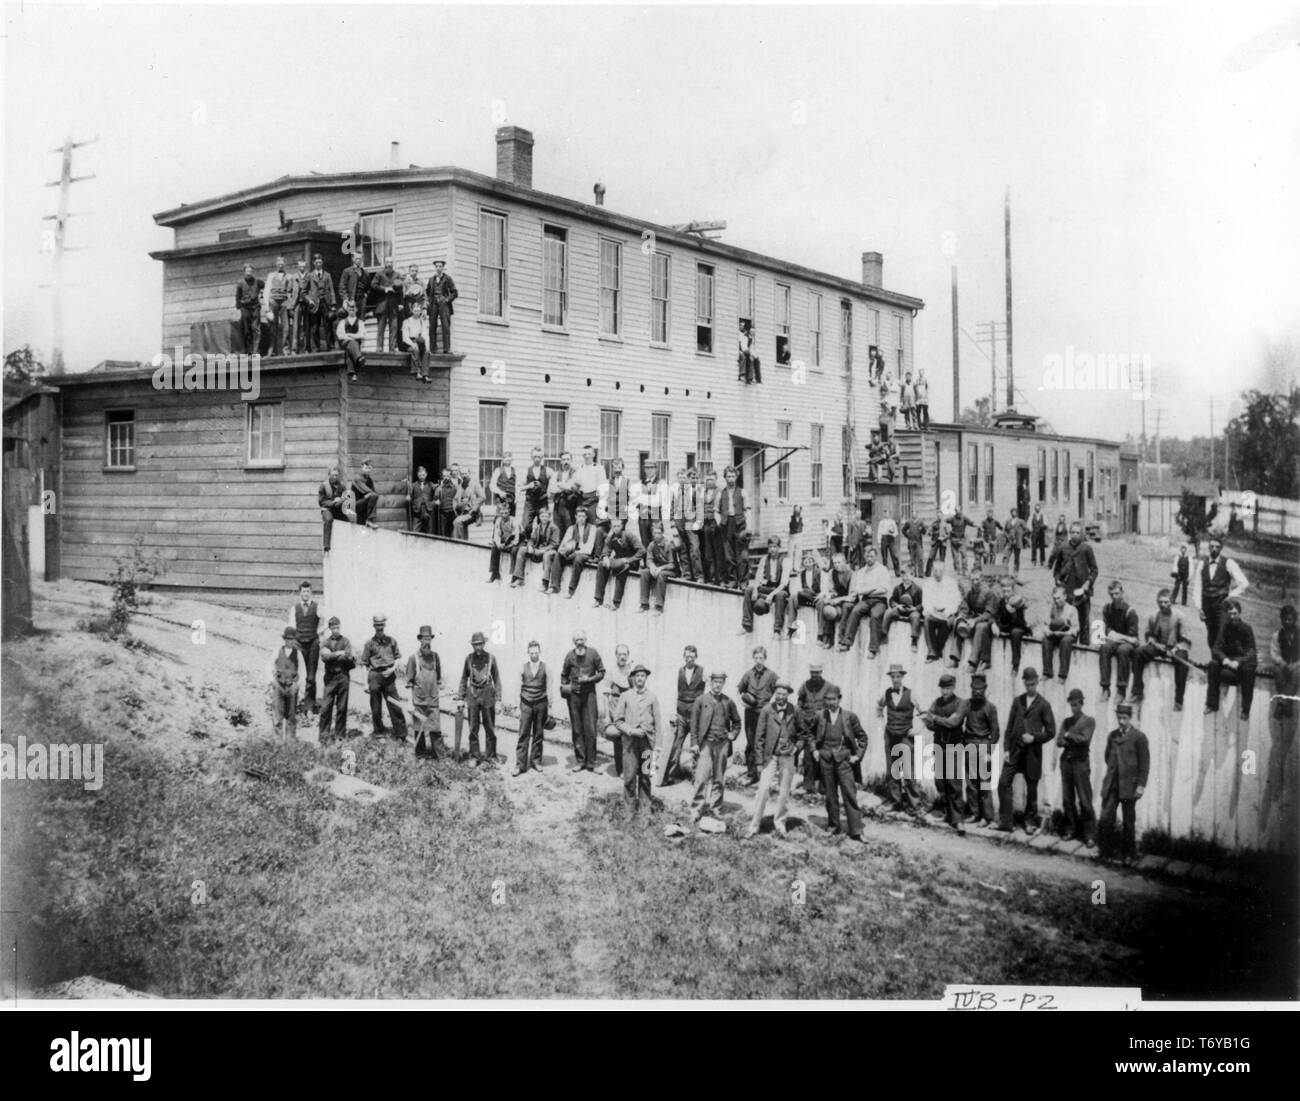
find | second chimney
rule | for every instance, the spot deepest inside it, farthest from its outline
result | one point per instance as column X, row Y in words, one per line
column 395, row 154
column 873, row 269
column 515, row 155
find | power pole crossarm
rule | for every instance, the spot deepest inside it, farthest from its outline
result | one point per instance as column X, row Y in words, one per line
column 65, row 181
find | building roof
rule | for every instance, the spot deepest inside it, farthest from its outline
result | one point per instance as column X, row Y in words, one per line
column 1173, row 487
column 423, row 177
column 15, row 393
column 1015, row 433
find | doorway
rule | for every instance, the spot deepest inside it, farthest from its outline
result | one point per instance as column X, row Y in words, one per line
column 429, row 452
column 749, row 477
column 1081, row 493
column 1022, row 492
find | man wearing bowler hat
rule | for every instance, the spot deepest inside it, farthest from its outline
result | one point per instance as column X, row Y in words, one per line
column 1075, row 742
column 896, row 707
column 380, row 656
column 336, row 654
column 840, row 742
column 1030, row 724
column 948, row 803
column 480, row 687
column 1128, row 764
column 424, row 678
column 976, row 722
column 715, row 723
column 637, row 720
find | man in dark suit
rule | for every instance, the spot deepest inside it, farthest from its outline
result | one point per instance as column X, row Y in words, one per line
column 387, row 285
column 442, row 293
column 733, row 532
column 715, row 723
column 422, row 497
column 840, row 743
column 1075, row 742
column 1076, row 571
column 1128, row 764
column 949, row 802
column 363, row 486
column 581, row 672
column 538, row 542
column 354, row 285
column 620, row 558
column 1232, row 661
column 320, row 304
column 1030, row 724
column 690, row 687
column 248, row 301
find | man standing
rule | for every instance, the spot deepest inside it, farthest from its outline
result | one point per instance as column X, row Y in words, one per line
column 413, row 299
column 336, row 652
column 480, row 687
column 949, row 802
column 690, row 687
column 1015, row 534
column 957, row 540
column 733, row 532
column 501, row 486
column 684, row 507
column 914, row 536
column 387, row 288
column 766, row 587
column 711, row 550
column 887, row 536
column 581, row 672
column 1075, row 742
column 637, row 720
column 320, row 304
column 279, row 285
column 445, row 495
column 906, row 602
column 379, row 656
column 896, row 707
column 922, row 401
column 621, row 556
column 442, row 293
column 363, row 488
column 940, row 533
column 616, row 505
column 424, row 679
column 537, row 486
column 715, row 723
column 423, row 501
column 248, row 301
column 563, row 493
column 297, row 308
column 354, row 284
column 755, row 690
column 1166, row 636
column 284, row 687
column 658, row 565
column 1232, row 660
column 855, row 536
column 777, row 740
column 811, row 699
column 1030, row 724
column 1076, row 571
column 1128, row 763
column 619, row 681
column 534, row 706
column 870, row 589
column 305, row 619
column 1038, row 537
column 977, row 721
column 1120, row 624
column 591, row 486
column 1218, row 579
column 1181, row 573
column 840, row 743
column 1059, row 631
column 329, row 497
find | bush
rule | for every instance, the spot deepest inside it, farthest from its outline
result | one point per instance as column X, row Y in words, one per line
column 130, row 581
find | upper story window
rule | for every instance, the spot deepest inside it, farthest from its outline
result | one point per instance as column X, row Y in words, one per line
column 815, row 328
column 611, row 287
column 555, row 276
column 119, row 439
column 782, row 303
column 492, row 255
column 265, row 431
column 745, row 298
column 660, row 292
column 704, row 284
column 846, row 334
column 376, row 237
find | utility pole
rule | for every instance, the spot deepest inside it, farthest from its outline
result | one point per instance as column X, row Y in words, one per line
column 1011, row 374
column 956, row 355
column 1211, row 439
column 57, row 243
column 993, row 331
column 1160, row 476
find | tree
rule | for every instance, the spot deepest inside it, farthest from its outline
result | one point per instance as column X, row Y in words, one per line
column 24, row 366
column 1193, row 517
column 1264, row 443
column 980, row 413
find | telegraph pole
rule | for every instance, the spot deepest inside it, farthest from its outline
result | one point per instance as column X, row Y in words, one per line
column 956, row 355
column 1160, row 477
column 58, row 244
column 1011, row 376
column 1211, row 439
column 993, row 331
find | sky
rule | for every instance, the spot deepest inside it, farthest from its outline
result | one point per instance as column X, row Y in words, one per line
column 1152, row 156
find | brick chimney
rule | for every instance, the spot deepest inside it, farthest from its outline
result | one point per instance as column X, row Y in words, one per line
column 515, row 155
column 873, row 269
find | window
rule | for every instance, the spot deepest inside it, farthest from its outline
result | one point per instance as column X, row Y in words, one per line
column 611, row 288
column 704, row 446
column 611, row 439
column 815, row 460
column 555, row 276
column 659, row 444
column 745, row 298
column 491, row 439
column 1056, row 475
column 119, row 439
column 783, row 430
column 704, row 308
column 873, row 330
column 1065, row 478
column 988, row 473
column 1042, row 474
column 491, row 264
column 846, row 334
column 846, row 451
column 555, row 426
column 815, row 328
column 660, row 290
column 973, row 473
column 376, row 237
column 899, row 319
column 1091, row 458
column 782, row 323
column 266, row 433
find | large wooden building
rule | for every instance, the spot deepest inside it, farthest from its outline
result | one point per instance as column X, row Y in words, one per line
column 574, row 325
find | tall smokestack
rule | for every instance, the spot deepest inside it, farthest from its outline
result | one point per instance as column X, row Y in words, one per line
column 395, row 154
column 515, row 155
column 873, row 270
column 1011, row 373
column 956, row 354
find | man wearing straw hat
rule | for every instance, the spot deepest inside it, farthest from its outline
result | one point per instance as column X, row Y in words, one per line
column 423, row 677
column 636, row 716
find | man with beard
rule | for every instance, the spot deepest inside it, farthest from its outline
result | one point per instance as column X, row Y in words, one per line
column 480, row 687
column 386, row 285
column 537, row 489
column 581, row 672
column 1076, row 571
column 620, row 558
column 379, row 657
column 1030, row 724
column 840, row 743
column 1218, row 579
column 501, row 486
column 1120, row 624
column 949, row 803
column 534, row 708
column 424, row 679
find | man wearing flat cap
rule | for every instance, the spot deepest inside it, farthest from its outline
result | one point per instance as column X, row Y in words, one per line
column 480, row 687
column 284, row 686
column 810, row 700
column 1030, row 724
column 336, row 655
column 424, row 678
column 778, row 739
column 976, row 722
column 379, row 656
column 637, row 720
column 949, row 802
column 715, row 723
column 1075, row 742
column 896, row 707
column 1128, row 764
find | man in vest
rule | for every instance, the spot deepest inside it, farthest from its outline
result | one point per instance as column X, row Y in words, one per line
column 840, row 742
column 505, row 542
column 896, row 707
column 1038, row 537
column 537, row 485
column 733, row 532
column 423, row 501
column 542, row 541
column 1030, row 724
column 755, row 690
column 284, row 687
column 713, row 557
column 777, row 740
column 683, row 507
column 534, row 705
column 329, row 498
column 805, row 592
column 379, row 656
column 442, row 294
column 1182, row 574
column 305, row 619
column 949, row 802
column 914, row 536
column 279, row 284
column 296, row 307
column 337, row 658
column 690, row 687
column 354, row 284
column 1120, row 640
column 768, row 585
column 637, row 720
column 387, row 287
column 248, row 301
column 563, row 492
column 976, row 722
column 616, row 503
column 715, row 724
column 590, row 482
column 581, row 672
column 502, row 485
column 320, row 305
column 480, row 687
column 1218, row 579
column 424, row 679
column 620, row 558
column 887, row 538
column 576, row 549
column 1128, row 765
column 940, row 533
column 1075, row 742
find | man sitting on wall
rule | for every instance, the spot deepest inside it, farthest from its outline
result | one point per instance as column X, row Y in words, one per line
column 659, row 564
column 363, row 487
column 620, row 557
column 576, row 549
column 766, row 591
column 330, row 499
column 543, row 540
column 870, row 589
